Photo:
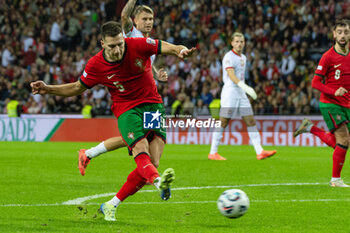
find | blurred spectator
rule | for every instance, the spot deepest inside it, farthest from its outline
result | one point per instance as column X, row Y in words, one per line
column 206, row 96
column 7, row 56
column 55, row 33
column 201, row 109
column 188, row 106
column 98, row 92
column 29, row 57
column 53, row 41
column 287, row 64
column 177, row 106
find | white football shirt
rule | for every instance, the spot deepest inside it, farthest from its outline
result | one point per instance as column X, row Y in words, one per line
column 238, row 63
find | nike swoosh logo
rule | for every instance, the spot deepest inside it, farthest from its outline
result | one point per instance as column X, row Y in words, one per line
column 335, row 66
column 109, row 77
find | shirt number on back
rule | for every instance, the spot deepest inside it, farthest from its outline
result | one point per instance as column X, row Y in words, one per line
column 337, row 74
column 119, row 86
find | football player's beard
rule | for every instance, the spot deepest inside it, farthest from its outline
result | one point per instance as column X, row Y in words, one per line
column 342, row 44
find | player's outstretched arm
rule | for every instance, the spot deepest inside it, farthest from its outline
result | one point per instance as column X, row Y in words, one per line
column 126, row 16
column 68, row 89
column 176, row 50
column 250, row 91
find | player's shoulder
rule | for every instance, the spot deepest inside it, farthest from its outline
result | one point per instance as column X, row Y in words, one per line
column 95, row 59
column 134, row 41
column 229, row 54
column 330, row 52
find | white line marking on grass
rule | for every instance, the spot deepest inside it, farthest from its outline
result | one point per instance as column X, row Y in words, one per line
column 80, row 200
column 179, row 202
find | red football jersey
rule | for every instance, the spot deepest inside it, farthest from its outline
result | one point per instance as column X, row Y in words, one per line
column 130, row 81
column 335, row 69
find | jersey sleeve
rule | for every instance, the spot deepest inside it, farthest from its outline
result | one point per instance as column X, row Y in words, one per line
column 227, row 63
column 322, row 67
column 317, row 84
column 89, row 77
column 147, row 46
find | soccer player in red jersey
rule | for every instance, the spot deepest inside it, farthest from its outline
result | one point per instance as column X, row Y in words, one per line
column 144, row 18
column 332, row 78
column 123, row 65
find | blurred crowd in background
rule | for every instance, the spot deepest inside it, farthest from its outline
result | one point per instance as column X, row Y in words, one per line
column 52, row 41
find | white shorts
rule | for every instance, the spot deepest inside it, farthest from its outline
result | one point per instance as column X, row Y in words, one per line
column 233, row 108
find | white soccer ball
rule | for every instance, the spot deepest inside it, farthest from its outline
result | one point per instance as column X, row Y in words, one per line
column 233, row 203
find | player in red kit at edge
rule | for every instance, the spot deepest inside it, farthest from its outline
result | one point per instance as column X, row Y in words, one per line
column 123, row 65
column 332, row 78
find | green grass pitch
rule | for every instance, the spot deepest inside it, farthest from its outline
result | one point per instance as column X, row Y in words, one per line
column 288, row 192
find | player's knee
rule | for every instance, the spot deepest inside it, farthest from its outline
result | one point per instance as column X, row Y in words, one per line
column 156, row 163
column 224, row 122
column 345, row 141
column 250, row 121
column 140, row 147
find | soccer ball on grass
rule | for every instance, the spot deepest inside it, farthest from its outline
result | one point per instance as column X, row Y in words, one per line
column 233, row 203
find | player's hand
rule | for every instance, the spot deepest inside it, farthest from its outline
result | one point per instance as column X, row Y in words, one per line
column 250, row 91
column 185, row 53
column 162, row 75
column 39, row 87
column 341, row 91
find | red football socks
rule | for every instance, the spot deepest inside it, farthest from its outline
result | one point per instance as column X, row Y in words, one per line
column 326, row 137
column 338, row 159
column 145, row 167
column 133, row 184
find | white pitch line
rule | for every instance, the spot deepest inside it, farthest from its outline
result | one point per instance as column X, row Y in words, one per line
column 80, row 200
column 181, row 202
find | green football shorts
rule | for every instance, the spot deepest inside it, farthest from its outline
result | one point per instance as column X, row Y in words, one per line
column 335, row 115
column 142, row 121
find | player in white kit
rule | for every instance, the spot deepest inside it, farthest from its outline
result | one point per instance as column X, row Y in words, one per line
column 144, row 24
column 234, row 101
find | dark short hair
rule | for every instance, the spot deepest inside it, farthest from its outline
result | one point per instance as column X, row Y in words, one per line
column 341, row 23
column 142, row 8
column 111, row 28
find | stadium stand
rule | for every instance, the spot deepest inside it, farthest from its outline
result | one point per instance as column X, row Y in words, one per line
column 52, row 41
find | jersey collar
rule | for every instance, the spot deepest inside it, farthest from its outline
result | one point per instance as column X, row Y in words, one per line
column 341, row 53
column 235, row 53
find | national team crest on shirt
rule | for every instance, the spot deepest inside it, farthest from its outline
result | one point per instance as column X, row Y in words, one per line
column 338, row 117
column 139, row 63
column 242, row 62
column 131, row 135
column 150, row 41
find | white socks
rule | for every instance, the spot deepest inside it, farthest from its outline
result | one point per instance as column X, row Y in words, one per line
column 156, row 182
column 96, row 151
column 255, row 138
column 335, row 179
column 215, row 141
column 309, row 127
column 114, row 201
